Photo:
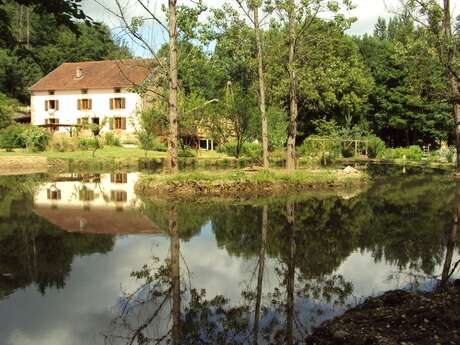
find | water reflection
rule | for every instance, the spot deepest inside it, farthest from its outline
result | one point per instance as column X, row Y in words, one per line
column 99, row 203
column 259, row 273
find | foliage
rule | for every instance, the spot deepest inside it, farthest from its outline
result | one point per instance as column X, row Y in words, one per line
column 35, row 138
column 324, row 149
column 7, row 107
column 253, row 150
column 111, row 139
column 412, row 153
column 90, row 144
column 186, row 152
column 24, row 136
column 376, row 146
column 63, row 144
column 149, row 142
column 277, row 127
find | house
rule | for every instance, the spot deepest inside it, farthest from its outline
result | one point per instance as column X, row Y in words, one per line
column 98, row 92
column 100, row 204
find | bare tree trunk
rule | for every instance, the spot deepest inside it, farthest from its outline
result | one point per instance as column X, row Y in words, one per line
column 260, row 275
column 293, row 107
column 175, row 276
column 173, row 86
column 291, row 274
column 262, row 101
column 451, row 237
column 447, row 23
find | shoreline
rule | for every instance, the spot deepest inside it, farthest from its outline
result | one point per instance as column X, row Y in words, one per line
column 396, row 317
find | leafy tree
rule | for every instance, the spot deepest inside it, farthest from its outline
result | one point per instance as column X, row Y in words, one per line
column 6, row 111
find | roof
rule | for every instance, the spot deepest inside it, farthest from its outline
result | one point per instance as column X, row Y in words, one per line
column 95, row 75
column 98, row 220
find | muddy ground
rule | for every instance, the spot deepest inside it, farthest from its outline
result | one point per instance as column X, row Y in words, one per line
column 397, row 317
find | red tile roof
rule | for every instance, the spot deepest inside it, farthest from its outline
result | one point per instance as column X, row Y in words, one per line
column 95, row 75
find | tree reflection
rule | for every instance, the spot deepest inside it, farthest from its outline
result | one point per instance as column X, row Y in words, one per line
column 32, row 250
column 448, row 268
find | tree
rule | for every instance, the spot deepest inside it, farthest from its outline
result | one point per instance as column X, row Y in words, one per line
column 252, row 9
column 436, row 17
column 65, row 12
column 301, row 15
column 6, row 111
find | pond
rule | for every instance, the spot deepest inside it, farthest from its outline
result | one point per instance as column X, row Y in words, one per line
column 84, row 260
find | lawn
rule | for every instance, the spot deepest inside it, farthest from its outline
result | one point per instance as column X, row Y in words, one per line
column 106, row 153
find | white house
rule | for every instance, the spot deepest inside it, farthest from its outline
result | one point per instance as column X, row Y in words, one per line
column 97, row 92
column 103, row 203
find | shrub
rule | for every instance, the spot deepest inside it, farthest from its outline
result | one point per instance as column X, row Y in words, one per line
column 62, row 144
column 413, row 153
column 35, row 138
column 253, row 150
column 10, row 138
column 186, row 152
column 111, row 139
column 90, row 144
column 376, row 146
column 150, row 142
column 324, row 149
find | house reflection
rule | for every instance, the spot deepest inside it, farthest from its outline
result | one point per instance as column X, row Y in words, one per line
column 98, row 203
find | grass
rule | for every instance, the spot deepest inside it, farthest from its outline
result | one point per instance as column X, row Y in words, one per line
column 262, row 176
column 107, row 152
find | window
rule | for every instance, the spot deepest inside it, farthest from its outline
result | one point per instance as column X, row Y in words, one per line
column 117, row 103
column 117, row 90
column 85, row 104
column 118, row 123
column 51, row 104
column 119, row 178
column 86, row 194
column 119, row 196
column 82, row 121
column 84, row 91
column 53, row 194
column 51, row 92
column 53, row 122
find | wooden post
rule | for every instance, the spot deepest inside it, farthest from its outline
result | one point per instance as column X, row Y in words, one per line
column 356, row 147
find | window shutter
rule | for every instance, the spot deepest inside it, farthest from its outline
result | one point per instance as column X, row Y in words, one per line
column 123, row 123
column 47, row 121
column 46, row 105
column 57, row 105
column 111, row 104
column 90, row 104
column 123, row 103
column 79, row 104
column 111, row 123
column 56, row 121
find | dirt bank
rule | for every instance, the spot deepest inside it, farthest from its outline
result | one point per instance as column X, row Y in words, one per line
column 22, row 165
column 397, row 317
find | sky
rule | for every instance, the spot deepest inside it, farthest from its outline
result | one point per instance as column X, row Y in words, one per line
column 366, row 12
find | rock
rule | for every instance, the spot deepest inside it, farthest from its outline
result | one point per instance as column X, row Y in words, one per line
column 341, row 335
column 349, row 171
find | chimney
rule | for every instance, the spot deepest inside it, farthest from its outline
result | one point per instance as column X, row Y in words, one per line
column 79, row 73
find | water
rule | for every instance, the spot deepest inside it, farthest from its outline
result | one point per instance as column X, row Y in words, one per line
column 83, row 260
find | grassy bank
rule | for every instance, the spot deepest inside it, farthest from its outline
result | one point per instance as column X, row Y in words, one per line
column 242, row 184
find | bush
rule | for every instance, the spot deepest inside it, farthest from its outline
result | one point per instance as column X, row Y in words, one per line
column 186, row 152
column 252, row 150
column 10, row 138
column 376, row 146
column 111, row 139
column 35, row 138
column 324, row 149
column 150, row 142
column 62, row 144
column 412, row 153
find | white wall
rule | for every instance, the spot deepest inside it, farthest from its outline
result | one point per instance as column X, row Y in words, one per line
column 102, row 193
column 68, row 112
